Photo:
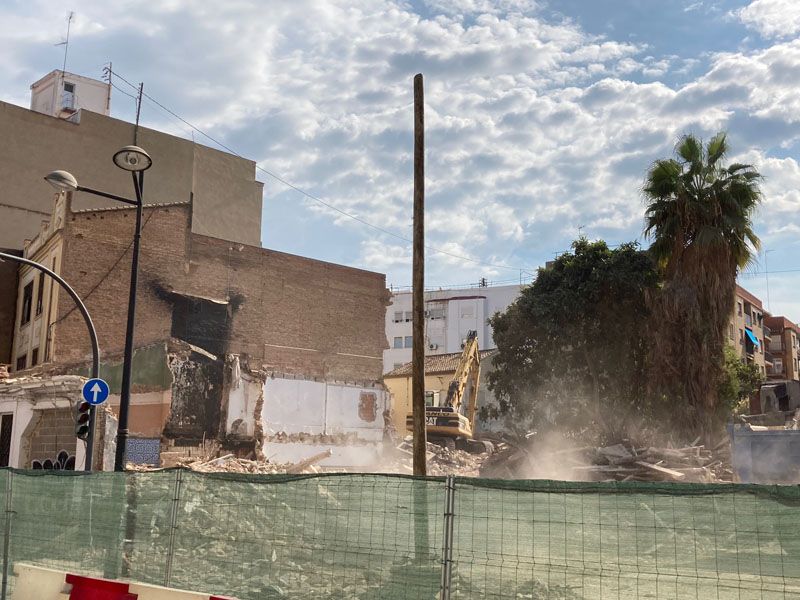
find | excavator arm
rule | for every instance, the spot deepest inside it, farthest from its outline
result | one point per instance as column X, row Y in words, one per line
column 464, row 385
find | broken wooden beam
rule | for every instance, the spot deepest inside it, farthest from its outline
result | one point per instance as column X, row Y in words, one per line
column 299, row 467
column 660, row 469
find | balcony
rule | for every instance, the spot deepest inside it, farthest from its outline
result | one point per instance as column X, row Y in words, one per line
column 776, row 373
column 768, row 358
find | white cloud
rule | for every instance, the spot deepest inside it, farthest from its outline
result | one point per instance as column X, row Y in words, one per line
column 772, row 18
column 533, row 127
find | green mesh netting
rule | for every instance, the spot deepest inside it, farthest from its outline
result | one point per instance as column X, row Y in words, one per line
column 381, row 536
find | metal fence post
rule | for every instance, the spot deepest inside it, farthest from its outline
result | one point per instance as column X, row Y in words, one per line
column 173, row 525
column 447, row 538
column 7, row 534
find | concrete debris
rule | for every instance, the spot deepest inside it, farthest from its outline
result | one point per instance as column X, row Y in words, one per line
column 441, row 461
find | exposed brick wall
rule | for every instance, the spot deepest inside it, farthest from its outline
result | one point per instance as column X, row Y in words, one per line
column 55, row 431
column 293, row 314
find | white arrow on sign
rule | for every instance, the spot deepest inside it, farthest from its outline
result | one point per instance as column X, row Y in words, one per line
column 95, row 389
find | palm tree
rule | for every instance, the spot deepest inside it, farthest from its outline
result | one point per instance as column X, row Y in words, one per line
column 699, row 217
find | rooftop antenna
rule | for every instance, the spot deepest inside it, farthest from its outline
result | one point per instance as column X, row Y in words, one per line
column 65, row 43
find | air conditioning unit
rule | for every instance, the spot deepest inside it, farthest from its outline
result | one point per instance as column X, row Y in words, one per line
column 433, row 346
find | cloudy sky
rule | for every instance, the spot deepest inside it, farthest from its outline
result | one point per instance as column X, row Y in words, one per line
column 542, row 115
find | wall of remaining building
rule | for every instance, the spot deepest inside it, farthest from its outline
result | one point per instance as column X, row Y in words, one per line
column 8, row 304
column 36, row 312
column 285, row 313
column 302, row 417
column 451, row 314
column 227, row 199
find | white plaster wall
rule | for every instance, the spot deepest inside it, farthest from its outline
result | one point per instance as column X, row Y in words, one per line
column 315, row 407
column 293, row 406
column 342, row 412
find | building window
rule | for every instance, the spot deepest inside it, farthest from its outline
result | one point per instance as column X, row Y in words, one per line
column 34, row 357
column 436, row 313
column 741, row 335
column 409, row 316
column 467, row 312
column 398, row 317
column 21, row 362
column 27, row 301
column 409, row 339
column 730, row 331
column 398, row 343
column 39, row 294
column 6, row 428
column 739, row 311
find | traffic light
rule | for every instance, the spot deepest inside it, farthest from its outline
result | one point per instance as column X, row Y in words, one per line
column 82, row 420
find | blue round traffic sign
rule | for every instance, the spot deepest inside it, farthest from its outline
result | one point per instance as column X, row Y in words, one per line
column 95, row 391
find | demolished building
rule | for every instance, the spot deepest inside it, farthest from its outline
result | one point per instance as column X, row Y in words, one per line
column 264, row 353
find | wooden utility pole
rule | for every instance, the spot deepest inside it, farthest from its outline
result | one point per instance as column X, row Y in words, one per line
column 418, row 281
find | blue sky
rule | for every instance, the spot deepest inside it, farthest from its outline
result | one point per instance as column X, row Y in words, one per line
column 542, row 115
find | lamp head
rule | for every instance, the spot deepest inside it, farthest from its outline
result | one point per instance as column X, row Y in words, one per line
column 62, row 181
column 132, row 158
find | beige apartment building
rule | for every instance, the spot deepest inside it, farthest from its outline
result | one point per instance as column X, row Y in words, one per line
column 784, row 348
column 747, row 332
column 68, row 127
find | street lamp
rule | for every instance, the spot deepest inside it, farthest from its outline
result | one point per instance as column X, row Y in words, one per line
column 136, row 161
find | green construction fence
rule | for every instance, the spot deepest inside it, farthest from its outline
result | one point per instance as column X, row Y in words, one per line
column 385, row 536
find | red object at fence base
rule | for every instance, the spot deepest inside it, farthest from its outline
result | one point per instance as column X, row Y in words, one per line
column 91, row 588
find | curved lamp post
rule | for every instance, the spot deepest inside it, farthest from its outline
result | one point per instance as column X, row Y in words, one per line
column 92, row 335
column 136, row 161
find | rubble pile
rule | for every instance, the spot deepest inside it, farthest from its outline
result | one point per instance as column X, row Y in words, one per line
column 441, row 461
column 231, row 464
column 624, row 461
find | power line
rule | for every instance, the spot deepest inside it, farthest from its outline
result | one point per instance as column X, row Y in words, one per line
column 312, row 196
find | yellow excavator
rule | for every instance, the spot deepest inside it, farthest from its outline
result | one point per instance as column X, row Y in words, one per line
column 445, row 422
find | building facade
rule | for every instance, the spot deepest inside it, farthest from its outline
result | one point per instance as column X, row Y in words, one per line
column 783, row 349
column 747, row 332
column 226, row 199
column 449, row 316
column 211, row 315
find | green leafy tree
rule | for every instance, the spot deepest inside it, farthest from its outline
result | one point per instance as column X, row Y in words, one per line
column 737, row 383
column 699, row 216
column 572, row 347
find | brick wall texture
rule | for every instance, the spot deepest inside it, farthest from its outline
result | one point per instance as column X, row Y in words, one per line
column 290, row 314
column 54, row 432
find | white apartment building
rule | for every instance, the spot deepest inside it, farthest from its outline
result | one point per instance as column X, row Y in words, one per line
column 450, row 314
